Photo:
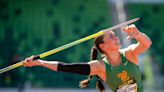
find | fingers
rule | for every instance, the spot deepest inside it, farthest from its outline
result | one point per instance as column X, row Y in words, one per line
column 131, row 30
column 25, row 62
column 28, row 61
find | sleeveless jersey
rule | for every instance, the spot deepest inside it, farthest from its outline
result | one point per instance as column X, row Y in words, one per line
column 123, row 78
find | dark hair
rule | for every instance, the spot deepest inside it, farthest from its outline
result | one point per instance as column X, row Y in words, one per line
column 94, row 53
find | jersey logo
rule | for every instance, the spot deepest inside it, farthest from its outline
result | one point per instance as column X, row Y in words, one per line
column 123, row 76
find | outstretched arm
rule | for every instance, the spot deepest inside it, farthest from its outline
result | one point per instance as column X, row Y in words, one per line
column 30, row 62
column 78, row 68
column 90, row 68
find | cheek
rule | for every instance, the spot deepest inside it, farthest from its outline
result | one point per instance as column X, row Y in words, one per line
column 111, row 42
column 108, row 45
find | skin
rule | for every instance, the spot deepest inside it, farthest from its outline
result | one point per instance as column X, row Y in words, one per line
column 110, row 47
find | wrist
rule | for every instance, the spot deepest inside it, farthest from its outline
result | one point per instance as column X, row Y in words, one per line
column 39, row 62
column 138, row 35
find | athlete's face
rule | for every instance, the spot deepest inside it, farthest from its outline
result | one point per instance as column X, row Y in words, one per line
column 110, row 42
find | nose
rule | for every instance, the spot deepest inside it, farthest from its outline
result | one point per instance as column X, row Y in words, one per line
column 115, row 37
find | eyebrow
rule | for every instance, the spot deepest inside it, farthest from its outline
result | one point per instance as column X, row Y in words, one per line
column 110, row 34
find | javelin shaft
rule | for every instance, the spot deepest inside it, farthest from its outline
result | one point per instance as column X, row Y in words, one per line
column 122, row 24
column 53, row 51
column 86, row 38
column 70, row 44
column 11, row 67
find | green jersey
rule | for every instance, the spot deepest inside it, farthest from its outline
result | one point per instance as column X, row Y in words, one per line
column 123, row 78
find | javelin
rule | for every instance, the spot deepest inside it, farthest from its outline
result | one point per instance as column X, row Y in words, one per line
column 45, row 54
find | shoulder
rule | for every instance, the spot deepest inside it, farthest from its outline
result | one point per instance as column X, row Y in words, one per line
column 96, row 63
column 128, row 53
column 97, row 66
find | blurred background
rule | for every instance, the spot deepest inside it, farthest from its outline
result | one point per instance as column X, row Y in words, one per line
column 30, row 27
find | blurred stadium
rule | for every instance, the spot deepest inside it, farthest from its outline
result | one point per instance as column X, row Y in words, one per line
column 30, row 27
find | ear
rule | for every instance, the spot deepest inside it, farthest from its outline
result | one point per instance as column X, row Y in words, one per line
column 102, row 47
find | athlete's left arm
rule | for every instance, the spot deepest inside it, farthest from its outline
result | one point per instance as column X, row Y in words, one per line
column 143, row 43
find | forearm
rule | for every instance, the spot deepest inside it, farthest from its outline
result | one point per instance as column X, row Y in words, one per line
column 143, row 40
column 48, row 64
column 78, row 68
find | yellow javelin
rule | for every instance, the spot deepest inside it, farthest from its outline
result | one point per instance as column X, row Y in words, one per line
column 69, row 45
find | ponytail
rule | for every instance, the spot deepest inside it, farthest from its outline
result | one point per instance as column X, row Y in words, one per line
column 94, row 53
column 99, row 84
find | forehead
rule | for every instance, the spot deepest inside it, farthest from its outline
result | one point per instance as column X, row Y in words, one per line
column 109, row 34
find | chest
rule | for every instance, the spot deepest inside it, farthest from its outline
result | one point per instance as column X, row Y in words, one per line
column 126, row 73
column 123, row 72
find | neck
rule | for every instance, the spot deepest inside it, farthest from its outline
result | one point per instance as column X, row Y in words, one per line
column 114, row 58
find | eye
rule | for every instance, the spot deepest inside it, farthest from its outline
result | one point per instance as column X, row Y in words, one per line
column 110, row 36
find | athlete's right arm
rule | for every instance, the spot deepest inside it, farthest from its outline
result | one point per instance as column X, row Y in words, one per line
column 92, row 68
column 30, row 62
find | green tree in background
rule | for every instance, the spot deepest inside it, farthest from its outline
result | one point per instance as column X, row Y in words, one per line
column 29, row 27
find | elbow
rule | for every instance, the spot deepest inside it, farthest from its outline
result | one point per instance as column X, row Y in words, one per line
column 149, row 43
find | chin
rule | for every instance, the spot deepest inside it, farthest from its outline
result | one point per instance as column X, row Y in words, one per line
column 118, row 45
column 117, row 48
